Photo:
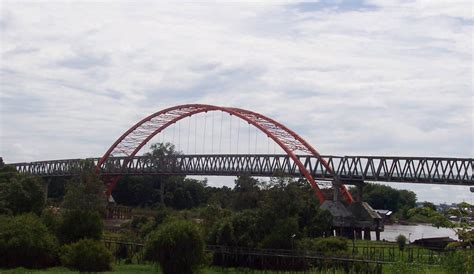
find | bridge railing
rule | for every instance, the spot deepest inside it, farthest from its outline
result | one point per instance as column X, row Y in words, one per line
column 349, row 169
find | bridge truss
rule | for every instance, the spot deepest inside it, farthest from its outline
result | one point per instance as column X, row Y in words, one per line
column 348, row 169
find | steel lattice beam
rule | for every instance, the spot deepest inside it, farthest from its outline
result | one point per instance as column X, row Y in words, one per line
column 349, row 169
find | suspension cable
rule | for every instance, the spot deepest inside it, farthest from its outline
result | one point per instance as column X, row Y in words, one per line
column 220, row 133
column 248, row 139
column 230, row 134
column 204, row 135
column 212, row 132
column 189, row 133
column 179, row 136
column 195, row 134
column 238, row 134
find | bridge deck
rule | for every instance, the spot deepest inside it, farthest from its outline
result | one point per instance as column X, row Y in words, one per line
column 350, row 169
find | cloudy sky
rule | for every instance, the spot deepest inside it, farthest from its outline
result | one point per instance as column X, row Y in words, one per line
column 352, row 77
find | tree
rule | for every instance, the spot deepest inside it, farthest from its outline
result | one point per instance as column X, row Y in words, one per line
column 80, row 224
column 177, row 246
column 25, row 241
column 246, row 193
column 87, row 256
column 20, row 193
column 85, row 192
column 401, row 241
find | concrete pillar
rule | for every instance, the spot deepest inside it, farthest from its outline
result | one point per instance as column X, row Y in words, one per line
column 335, row 188
column 367, row 234
column 358, row 233
column 360, row 191
column 45, row 189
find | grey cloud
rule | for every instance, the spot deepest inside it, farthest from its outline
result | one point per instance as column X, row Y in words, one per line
column 85, row 61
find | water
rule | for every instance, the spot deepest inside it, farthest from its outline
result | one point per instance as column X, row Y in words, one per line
column 414, row 232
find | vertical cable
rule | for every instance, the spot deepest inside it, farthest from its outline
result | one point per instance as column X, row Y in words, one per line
column 220, row 133
column 179, row 136
column 238, row 134
column 174, row 129
column 195, row 134
column 230, row 134
column 248, row 139
column 212, row 133
column 256, row 133
column 204, row 134
column 189, row 133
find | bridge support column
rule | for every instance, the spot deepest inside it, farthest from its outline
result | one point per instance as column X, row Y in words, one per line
column 367, row 234
column 360, row 191
column 45, row 187
column 335, row 188
column 358, row 233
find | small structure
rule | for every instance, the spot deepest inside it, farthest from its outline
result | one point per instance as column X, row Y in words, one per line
column 434, row 243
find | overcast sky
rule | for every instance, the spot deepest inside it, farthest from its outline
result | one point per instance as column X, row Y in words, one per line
column 352, row 77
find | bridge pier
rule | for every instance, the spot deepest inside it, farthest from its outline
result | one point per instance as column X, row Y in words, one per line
column 45, row 187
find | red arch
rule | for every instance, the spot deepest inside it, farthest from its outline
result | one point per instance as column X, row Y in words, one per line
column 137, row 136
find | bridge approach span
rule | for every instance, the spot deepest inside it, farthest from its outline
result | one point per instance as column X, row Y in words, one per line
column 348, row 169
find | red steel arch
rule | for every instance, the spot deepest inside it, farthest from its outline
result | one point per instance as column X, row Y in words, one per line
column 137, row 136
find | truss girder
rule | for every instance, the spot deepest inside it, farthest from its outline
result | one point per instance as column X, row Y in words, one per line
column 349, row 169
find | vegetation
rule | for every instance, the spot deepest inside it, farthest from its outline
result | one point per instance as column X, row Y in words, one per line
column 176, row 217
column 19, row 193
column 25, row 241
column 86, row 255
column 177, row 246
column 401, row 241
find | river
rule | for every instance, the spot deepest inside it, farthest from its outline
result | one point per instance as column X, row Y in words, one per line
column 414, row 232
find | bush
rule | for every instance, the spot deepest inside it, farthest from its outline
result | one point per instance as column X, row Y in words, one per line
column 332, row 245
column 86, row 255
column 77, row 224
column 401, row 241
column 25, row 241
column 178, row 247
column 460, row 261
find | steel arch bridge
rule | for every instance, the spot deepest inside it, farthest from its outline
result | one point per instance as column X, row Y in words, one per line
column 137, row 136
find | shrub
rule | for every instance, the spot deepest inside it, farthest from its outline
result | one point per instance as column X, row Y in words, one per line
column 86, row 255
column 177, row 246
column 331, row 245
column 460, row 261
column 25, row 241
column 78, row 224
column 401, row 241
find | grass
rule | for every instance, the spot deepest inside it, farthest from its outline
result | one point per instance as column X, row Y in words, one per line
column 142, row 268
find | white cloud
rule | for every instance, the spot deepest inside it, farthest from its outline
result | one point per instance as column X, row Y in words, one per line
column 387, row 77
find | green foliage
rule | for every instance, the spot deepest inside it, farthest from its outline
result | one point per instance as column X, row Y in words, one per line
column 401, row 267
column 385, row 197
column 20, row 193
column 458, row 262
column 86, row 255
column 79, row 224
column 25, row 241
column 401, row 241
column 329, row 245
column 85, row 192
column 177, row 246
column 282, row 236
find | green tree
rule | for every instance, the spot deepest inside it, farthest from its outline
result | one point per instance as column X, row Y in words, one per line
column 177, row 246
column 25, row 241
column 20, row 193
column 80, row 224
column 246, row 193
column 87, row 256
column 85, row 192
column 401, row 241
